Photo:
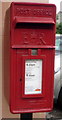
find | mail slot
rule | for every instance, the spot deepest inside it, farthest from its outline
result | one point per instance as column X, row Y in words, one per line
column 32, row 50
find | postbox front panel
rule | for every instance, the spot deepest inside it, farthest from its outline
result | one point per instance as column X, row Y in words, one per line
column 32, row 57
column 31, row 33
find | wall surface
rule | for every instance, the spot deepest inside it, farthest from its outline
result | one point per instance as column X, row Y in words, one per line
column 0, row 60
column 4, row 59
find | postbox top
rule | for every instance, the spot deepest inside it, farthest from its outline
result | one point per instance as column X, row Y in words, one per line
column 25, row 9
column 37, row 19
column 33, row 3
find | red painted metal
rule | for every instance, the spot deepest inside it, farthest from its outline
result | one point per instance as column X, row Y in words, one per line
column 32, row 27
column 34, row 20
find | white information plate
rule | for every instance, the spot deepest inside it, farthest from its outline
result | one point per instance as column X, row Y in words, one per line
column 33, row 76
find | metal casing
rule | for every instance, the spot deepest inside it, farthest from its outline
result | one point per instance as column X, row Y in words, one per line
column 32, row 27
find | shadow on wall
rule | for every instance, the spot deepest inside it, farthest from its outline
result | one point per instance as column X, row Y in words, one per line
column 6, row 56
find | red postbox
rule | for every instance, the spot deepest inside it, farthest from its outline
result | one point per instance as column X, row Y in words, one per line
column 32, row 46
